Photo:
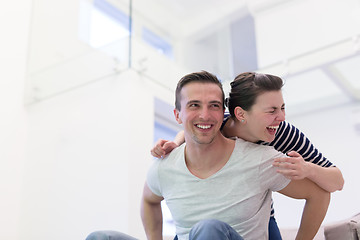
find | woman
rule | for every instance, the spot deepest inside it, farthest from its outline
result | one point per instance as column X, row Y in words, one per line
column 257, row 114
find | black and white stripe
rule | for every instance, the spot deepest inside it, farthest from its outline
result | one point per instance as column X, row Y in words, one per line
column 289, row 138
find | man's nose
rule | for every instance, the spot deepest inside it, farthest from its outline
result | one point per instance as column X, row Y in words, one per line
column 204, row 114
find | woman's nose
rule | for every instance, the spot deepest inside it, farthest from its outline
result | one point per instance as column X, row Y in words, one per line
column 281, row 115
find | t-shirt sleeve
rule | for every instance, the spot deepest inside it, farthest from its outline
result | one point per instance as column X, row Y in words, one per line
column 152, row 178
column 269, row 178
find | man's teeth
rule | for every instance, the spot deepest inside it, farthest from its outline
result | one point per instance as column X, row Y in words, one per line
column 203, row 126
column 273, row 127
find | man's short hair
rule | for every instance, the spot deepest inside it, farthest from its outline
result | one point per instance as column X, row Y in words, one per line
column 203, row 77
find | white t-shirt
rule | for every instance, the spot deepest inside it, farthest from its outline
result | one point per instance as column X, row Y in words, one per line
column 238, row 194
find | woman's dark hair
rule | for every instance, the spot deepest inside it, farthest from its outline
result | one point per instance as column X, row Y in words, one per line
column 247, row 86
column 203, row 77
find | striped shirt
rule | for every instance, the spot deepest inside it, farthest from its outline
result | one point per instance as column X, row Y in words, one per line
column 289, row 138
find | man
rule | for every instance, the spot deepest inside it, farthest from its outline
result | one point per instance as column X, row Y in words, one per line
column 217, row 188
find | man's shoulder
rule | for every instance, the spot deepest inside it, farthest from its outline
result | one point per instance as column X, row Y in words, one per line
column 246, row 145
column 175, row 154
column 168, row 166
column 176, row 151
column 249, row 148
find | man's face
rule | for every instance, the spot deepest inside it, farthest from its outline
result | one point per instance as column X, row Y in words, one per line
column 201, row 112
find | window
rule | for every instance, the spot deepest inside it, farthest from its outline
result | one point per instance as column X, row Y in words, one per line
column 157, row 42
column 101, row 23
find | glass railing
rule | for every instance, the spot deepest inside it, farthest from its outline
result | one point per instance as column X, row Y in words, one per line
column 76, row 43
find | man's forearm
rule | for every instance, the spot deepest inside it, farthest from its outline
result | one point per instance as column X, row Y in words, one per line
column 314, row 212
column 330, row 179
column 151, row 216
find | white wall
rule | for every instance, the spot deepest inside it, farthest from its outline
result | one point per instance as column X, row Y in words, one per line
column 297, row 27
column 14, row 25
column 54, row 34
column 87, row 160
column 90, row 134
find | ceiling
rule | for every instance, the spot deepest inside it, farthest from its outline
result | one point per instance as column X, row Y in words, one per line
column 319, row 72
column 188, row 18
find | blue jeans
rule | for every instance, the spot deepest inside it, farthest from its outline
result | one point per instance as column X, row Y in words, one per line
column 274, row 232
column 212, row 230
column 109, row 235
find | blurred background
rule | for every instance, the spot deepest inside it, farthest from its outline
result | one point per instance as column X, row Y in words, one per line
column 87, row 86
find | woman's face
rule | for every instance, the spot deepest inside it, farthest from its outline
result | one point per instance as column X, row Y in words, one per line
column 264, row 117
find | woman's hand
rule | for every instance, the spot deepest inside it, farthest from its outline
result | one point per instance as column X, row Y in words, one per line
column 162, row 148
column 293, row 167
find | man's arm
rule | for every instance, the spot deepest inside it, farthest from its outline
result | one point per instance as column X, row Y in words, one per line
column 330, row 178
column 151, row 214
column 317, row 202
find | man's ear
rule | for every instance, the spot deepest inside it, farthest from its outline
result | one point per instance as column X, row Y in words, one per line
column 239, row 114
column 177, row 116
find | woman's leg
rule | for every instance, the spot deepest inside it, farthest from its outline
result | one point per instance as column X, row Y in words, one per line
column 274, row 232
